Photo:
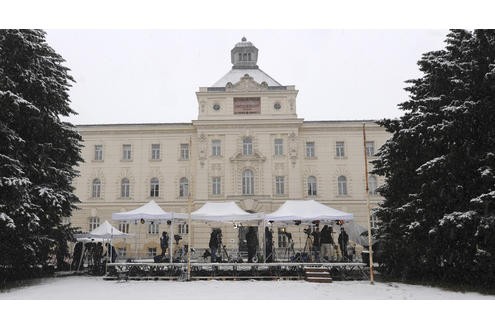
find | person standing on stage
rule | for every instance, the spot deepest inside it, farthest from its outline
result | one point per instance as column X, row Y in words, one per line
column 343, row 241
column 215, row 243
column 252, row 243
column 327, row 243
column 268, row 245
column 164, row 243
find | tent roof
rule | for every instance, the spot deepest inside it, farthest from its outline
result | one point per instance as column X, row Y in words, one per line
column 307, row 210
column 149, row 211
column 103, row 231
column 222, row 212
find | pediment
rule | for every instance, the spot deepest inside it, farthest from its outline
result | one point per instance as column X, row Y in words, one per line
column 246, row 83
column 255, row 157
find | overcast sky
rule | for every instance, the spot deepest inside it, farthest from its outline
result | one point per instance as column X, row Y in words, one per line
column 151, row 76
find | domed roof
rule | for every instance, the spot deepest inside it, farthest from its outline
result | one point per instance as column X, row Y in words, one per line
column 244, row 43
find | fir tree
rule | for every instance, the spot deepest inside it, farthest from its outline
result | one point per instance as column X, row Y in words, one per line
column 438, row 213
column 38, row 152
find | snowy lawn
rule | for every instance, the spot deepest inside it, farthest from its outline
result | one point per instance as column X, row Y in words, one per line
column 95, row 288
column 239, row 304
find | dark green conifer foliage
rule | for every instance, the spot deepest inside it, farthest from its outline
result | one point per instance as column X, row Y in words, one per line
column 438, row 213
column 38, row 152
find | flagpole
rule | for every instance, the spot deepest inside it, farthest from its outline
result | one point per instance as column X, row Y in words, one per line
column 370, row 245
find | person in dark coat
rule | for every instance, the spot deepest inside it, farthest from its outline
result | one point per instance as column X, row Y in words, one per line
column 316, row 243
column 343, row 241
column 76, row 257
column 164, row 243
column 326, row 242
column 112, row 252
column 215, row 243
column 268, row 245
column 252, row 243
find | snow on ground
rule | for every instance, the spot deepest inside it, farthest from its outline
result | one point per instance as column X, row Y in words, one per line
column 251, row 304
column 95, row 288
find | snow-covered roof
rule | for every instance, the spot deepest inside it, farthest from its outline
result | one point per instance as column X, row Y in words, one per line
column 235, row 75
column 307, row 210
column 103, row 231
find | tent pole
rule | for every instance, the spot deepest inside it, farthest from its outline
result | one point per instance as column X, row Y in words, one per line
column 370, row 245
column 171, row 239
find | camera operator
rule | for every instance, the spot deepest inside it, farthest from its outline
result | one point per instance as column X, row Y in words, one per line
column 215, row 243
column 252, row 243
column 327, row 243
column 164, row 243
column 316, row 243
column 343, row 240
column 268, row 245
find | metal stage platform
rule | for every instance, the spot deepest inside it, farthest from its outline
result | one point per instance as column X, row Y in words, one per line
column 233, row 271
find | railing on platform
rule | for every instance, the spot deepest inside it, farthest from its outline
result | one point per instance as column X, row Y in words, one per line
column 235, row 271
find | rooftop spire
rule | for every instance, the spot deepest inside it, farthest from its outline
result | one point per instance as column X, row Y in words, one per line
column 244, row 55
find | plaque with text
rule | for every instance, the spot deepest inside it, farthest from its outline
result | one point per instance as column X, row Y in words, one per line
column 247, row 105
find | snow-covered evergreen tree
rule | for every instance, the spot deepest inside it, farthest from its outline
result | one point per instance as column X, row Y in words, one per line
column 438, row 213
column 38, row 152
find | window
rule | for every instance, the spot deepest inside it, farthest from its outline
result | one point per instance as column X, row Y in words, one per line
column 126, row 152
column 98, row 152
column 342, row 185
column 96, row 188
column 124, row 227
column 216, row 186
column 216, row 149
column 94, row 222
column 279, row 147
column 247, row 146
column 155, row 151
column 125, row 188
column 311, row 186
column 122, row 251
column 184, row 152
column 370, row 148
column 339, row 149
column 183, row 187
column 283, row 240
column 247, row 182
column 372, row 185
column 279, row 185
column 153, row 228
column 310, row 149
column 154, row 187
column 183, row 228
column 151, row 251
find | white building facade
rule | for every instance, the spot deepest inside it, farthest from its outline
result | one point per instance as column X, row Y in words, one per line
column 247, row 145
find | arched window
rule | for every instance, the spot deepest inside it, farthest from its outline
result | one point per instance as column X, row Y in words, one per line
column 342, row 185
column 311, row 186
column 125, row 188
column 247, row 146
column 240, row 57
column 249, row 56
column 244, row 57
column 372, row 185
column 154, row 187
column 96, row 188
column 183, row 187
column 247, row 182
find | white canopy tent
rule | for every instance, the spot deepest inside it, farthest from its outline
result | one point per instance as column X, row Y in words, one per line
column 103, row 233
column 151, row 213
column 306, row 211
column 226, row 212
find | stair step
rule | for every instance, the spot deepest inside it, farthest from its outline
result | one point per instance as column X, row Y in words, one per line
column 319, row 279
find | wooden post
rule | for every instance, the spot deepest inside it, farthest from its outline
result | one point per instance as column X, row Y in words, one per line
column 368, row 206
column 189, row 206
